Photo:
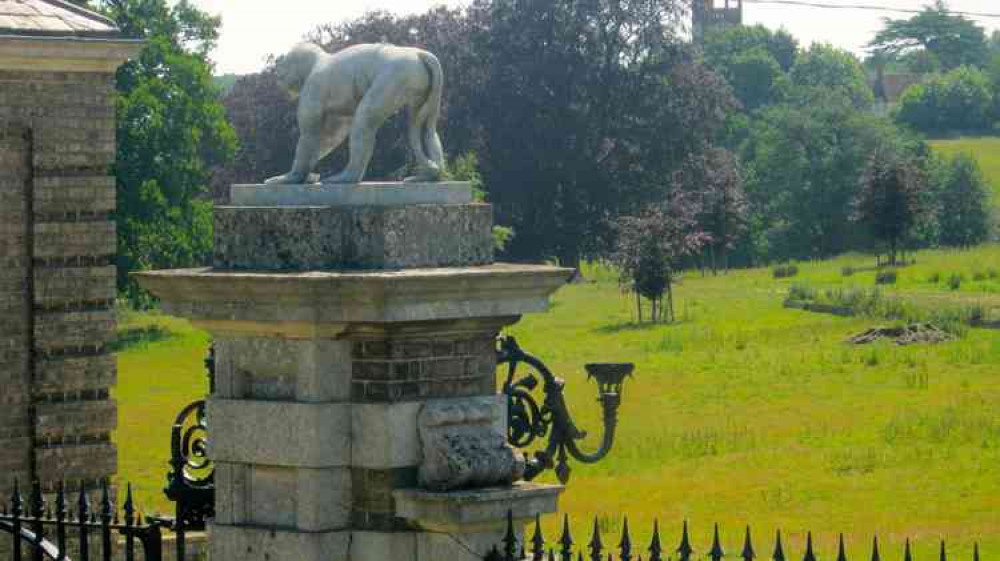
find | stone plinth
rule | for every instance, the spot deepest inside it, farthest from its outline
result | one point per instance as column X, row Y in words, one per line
column 359, row 194
column 323, row 372
column 352, row 227
column 477, row 519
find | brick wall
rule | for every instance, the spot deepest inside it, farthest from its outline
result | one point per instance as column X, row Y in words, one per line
column 15, row 431
column 57, row 282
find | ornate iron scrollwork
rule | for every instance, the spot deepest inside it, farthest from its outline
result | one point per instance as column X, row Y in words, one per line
column 530, row 420
column 191, row 481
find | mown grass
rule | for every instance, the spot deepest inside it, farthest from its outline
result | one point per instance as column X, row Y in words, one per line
column 160, row 370
column 985, row 149
column 742, row 412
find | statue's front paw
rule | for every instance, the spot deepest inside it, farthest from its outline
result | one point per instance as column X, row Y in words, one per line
column 293, row 179
column 278, row 180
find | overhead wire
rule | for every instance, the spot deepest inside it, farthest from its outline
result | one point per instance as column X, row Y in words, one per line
column 870, row 7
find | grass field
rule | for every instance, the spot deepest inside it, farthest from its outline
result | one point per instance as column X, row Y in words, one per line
column 741, row 412
column 985, row 149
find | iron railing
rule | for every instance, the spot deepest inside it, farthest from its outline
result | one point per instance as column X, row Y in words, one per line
column 91, row 532
column 566, row 549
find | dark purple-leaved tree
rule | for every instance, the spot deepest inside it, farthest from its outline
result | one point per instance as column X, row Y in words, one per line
column 889, row 200
column 715, row 177
column 650, row 247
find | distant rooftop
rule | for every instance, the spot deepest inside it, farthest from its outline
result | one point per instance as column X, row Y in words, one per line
column 53, row 18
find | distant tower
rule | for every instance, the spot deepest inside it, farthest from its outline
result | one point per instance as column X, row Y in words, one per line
column 712, row 14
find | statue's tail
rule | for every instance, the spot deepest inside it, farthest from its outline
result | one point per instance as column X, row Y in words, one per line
column 426, row 122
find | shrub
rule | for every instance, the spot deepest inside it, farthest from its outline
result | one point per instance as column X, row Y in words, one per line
column 978, row 275
column 992, row 273
column 975, row 313
column 955, row 281
column 801, row 292
column 934, row 277
column 785, row 271
column 847, row 271
column 886, row 277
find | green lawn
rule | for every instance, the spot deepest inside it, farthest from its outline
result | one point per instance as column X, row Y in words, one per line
column 742, row 412
column 985, row 149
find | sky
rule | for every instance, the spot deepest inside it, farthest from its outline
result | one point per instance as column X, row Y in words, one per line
column 254, row 29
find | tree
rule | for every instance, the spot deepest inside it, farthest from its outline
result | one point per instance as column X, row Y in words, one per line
column 726, row 43
column 584, row 107
column 960, row 101
column 651, row 245
column 754, row 60
column 715, row 178
column 825, row 67
column 263, row 118
column 803, row 163
column 889, row 198
column 171, row 131
column 964, row 197
column 951, row 40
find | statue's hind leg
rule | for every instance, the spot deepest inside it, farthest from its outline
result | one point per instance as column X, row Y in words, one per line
column 385, row 97
column 427, row 168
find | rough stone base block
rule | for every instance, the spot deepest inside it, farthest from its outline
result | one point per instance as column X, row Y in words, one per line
column 313, row 500
column 388, row 546
column 357, row 194
column 228, row 543
column 460, row 547
column 352, row 238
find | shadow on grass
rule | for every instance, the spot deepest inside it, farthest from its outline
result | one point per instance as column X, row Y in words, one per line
column 626, row 326
column 138, row 337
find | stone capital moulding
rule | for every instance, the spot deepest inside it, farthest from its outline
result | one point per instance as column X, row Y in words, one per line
column 66, row 54
column 323, row 303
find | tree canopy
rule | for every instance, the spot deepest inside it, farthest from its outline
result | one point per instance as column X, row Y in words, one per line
column 949, row 40
column 171, row 132
column 889, row 199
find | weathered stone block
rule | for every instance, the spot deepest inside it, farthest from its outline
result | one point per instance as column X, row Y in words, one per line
column 55, row 195
column 386, row 436
column 312, row 500
column 74, row 329
column 464, row 444
column 357, row 194
column 74, row 374
column 388, row 546
column 350, row 238
column 262, row 368
column 73, row 239
column 75, row 418
column 278, row 433
column 248, row 543
column 476, row 510
column 374, row 507
column 56, row 286
column 83, row 461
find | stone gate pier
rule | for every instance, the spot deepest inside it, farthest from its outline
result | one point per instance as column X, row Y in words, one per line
column 355, row 414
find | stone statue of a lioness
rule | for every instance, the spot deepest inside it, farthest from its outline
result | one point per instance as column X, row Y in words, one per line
column 349, row 95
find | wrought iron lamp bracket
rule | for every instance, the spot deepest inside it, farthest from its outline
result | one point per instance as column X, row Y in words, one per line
column 530, row 420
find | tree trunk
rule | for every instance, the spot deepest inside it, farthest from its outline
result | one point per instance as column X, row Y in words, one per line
column 672, row 317
column 638, row 305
